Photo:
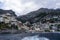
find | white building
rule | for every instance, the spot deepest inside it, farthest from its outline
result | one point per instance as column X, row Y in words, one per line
column 1, row 19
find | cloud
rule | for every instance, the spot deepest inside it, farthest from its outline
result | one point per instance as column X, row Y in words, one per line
column 18, row 6
column 22, row 7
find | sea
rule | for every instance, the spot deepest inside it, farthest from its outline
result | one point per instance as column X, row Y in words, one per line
column 31, row 36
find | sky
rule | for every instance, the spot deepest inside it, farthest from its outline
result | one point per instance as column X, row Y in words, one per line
column 22, row 7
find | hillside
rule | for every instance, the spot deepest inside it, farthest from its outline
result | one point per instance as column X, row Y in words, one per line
column 37, row 15
column 7, row 11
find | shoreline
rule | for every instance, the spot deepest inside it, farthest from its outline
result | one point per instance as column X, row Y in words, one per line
column 20, row 32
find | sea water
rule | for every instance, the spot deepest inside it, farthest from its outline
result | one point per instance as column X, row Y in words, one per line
column 39, row 36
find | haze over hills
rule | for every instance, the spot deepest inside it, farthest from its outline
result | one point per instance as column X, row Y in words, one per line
column 37, row 15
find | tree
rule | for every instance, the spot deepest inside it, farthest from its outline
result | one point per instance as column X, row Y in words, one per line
column 14, row 26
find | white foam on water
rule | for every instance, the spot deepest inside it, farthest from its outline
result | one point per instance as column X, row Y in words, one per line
column 35, row 38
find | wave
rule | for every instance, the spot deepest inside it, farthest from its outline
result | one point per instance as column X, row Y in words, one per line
column 35, row 38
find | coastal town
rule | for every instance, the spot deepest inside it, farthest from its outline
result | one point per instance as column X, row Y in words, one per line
column 47, row 24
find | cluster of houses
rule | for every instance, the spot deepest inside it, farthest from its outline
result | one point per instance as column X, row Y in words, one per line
column 48, row 23
column 9, row 19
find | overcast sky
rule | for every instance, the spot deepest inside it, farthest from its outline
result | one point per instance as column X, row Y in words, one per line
column 22, row 7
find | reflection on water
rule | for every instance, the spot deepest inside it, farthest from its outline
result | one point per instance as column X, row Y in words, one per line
column 35, row 38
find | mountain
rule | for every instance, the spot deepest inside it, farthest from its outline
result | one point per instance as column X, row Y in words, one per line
column 7, row 11
column 36, row 16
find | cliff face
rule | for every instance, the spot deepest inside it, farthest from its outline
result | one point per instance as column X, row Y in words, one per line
column 36, row 16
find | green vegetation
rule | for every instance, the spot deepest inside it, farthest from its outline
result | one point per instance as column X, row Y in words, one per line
column 47, row 30
column 6, row 26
